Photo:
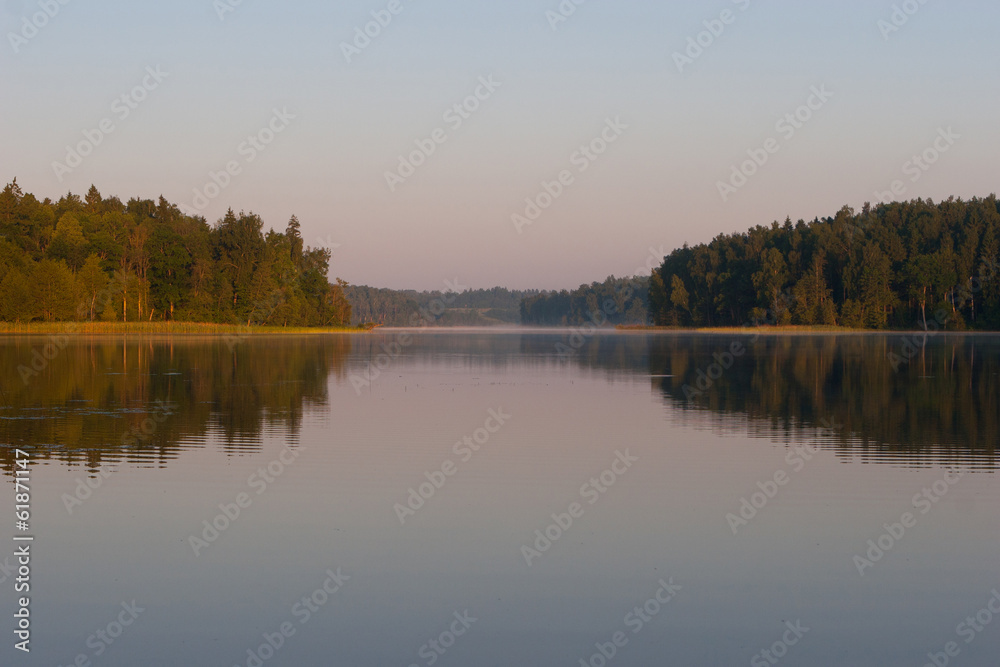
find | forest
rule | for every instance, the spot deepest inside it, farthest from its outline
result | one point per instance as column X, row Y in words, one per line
column 470, row 307
column 615, row 301
column 98, row 259
column 908, row 265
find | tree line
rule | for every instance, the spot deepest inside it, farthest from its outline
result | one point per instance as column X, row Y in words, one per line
column 902, row 265
column 470, row 307
column 100, row 259
column 615, row 301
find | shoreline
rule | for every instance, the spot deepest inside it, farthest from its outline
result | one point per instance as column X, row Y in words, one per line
column 157, row 328
column 792, row 330
column 214, row 329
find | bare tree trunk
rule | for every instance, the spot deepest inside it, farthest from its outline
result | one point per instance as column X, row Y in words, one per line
column 923, row 308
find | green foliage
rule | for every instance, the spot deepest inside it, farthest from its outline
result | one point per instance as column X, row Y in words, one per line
column 657, row 298
column 771, row 278
column 479, row 307
column 615, row 301
column 877, row 296
column 13, row 306
column 99, row 259
column 679, row 296
column 813, row 299
column 892, row 266
column 53, row 291
column 91, row 281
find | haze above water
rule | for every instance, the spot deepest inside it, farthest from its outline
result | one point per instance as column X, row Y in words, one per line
column 643, row 450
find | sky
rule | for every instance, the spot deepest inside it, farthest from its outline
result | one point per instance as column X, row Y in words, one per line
column 628, row 124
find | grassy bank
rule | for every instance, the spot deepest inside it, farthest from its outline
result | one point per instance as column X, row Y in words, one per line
column 204, row 328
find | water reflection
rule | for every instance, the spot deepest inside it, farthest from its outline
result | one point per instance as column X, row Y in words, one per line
column 143, row 400
column 940, row 406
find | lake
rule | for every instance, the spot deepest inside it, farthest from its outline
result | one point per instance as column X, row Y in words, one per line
column 501, row 498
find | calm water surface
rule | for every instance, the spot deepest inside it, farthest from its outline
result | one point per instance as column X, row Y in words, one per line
column 698, row 495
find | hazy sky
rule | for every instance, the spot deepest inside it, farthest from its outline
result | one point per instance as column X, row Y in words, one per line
column 656, row 185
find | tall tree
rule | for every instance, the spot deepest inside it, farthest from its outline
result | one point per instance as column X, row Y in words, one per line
column 770, row 281
column 53, row 290
column 876, row 291
column 91, row 280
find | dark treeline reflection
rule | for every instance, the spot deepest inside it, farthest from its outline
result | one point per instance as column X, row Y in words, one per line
column 143, row 400
column 885, row 397
column 941, row 406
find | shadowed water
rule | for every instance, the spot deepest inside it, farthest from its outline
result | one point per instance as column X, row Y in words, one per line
column 728, row 483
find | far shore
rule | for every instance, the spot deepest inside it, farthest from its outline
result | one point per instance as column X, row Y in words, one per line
column 770, row 330
column 213, row 329
column 133, row 328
